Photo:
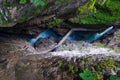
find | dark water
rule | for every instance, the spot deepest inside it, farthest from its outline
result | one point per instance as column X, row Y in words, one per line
column 79, row 35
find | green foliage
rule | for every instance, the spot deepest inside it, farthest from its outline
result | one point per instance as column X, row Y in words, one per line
column 23, row 1
column 88, row 75
column 38, row 3
column 98, row 74
column 71, row 68
column 54, row 23
column 37, row 12
column 108, row 12
column 3, row 20
column 114, row 78
column 99, row 45
column 103, row 2
column 88, row 6
column 59, row 63
column 107, row 64
column 117, row 50
column 58, row 2
column 118, row 36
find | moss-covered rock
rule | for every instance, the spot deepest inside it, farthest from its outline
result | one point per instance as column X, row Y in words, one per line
column 19, row 61
column 18, row 11
column 106, row 12
column 88, row 12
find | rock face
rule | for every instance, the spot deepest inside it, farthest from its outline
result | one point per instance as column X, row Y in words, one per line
column 59, row 68
column 19, row 11
column 45, row 44
column 11, row 50
column 31, row 18
column 18, row 62
column 113, row 41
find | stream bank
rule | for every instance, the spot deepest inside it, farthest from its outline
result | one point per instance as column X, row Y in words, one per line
column 20, row 61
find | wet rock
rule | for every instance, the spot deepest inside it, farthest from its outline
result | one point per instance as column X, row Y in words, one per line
column 112, row 40
column 18, row 63
column 32, row 20
column 19, row 12
column 11, row 50
column 45, row 44
column 61, row 68
column 115, row 40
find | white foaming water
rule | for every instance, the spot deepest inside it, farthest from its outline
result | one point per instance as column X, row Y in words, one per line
column 89, row 51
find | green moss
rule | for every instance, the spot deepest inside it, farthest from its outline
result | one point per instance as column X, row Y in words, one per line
column 71, row 69
column 59, row 63
column 58, row 2
column 118, row 36
column 2, row 19
column 3, row 22
column 37, row 12
column 117, row 50
column 107, row 64
column 38, row 2
column 105, row 14
column 87, row 6
column 102, row 2
column 83, row 60
column 117, row 64
column 99, row 45
column 23, row 19
column 54, row 23
column 39, row 6
column 98, row 74
column 23, row 1
column 114, row 78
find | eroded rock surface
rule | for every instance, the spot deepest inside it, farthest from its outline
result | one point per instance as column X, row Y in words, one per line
column 111, row 40
column 45, row 44
column 18, row 63
column 20, row 11
column 11, row 50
